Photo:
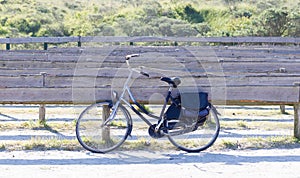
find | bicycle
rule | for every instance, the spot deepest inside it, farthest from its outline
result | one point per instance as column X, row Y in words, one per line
column 104, row 126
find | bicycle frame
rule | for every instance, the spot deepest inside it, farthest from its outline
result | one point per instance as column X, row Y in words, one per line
column 126, row 88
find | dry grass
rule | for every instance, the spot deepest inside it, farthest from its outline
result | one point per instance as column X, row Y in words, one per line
column 257, row 143
column 38, row 143
column 31, row 125
column 244, row 118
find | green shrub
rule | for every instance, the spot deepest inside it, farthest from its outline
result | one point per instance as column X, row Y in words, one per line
column 274, row 22
column 155, row 18
column 189, row 13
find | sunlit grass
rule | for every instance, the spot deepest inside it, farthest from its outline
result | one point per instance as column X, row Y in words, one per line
column 39, row 143
column 33, row 125
column 262, row 125
column 242, row 119
column 146, row 144
column 257, row 143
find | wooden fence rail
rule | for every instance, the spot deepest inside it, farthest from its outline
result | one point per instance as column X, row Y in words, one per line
column 242, row 72
column 112, row 39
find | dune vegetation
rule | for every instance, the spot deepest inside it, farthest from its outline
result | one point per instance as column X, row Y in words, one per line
column 34, row 18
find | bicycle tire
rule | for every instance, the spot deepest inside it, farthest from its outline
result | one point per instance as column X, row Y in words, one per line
column 101, row 139
column 201, row 138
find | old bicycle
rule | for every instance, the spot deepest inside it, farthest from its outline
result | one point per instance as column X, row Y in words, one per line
column 188, row 120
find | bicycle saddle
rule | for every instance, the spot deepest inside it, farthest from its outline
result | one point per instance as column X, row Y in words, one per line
column 175, row 81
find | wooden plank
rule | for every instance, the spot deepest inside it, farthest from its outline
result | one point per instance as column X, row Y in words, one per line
column 194, row 39
column 39, row 40
column 258, row 67
column 107, row 39
column 239, row 52
column 13, row 72
column 155, row 52
column 190, row 63
column 230, row 95
column 167, row 49
column 101, row 78
column 144, row 58
column 111, row 72
column 98, row 82
column 21, row 81
column 270, row 94
column 37, row 64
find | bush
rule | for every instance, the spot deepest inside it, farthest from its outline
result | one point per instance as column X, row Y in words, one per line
column 202, row 28
column 25, row 25
column 189, row 13
column 274, row 22
column 150, row 17
column 3, row 31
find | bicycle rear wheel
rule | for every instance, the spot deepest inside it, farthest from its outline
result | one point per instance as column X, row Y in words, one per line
column 200, row 139
column 97, row 137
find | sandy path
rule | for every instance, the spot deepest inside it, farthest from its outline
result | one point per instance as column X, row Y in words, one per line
column 69, row 164
column 248, row 163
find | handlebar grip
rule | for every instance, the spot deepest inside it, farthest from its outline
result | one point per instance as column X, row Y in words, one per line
column 131, row 55
column 145, row 74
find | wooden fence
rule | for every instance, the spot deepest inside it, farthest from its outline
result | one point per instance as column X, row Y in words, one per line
column 111, row 39
column 237, row 71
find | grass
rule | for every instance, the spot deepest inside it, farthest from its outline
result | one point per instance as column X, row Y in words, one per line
column 31, row 125
column 288, row 142
column 42, row 144
column 262, row 125
column 242, row 119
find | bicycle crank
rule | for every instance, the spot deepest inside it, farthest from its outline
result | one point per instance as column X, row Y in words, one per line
column 153, row 133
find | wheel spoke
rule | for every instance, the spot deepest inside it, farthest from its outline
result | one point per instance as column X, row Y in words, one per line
column 196, row 138
column 97, row 134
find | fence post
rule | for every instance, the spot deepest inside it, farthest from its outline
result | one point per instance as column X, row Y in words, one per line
column 79, row 41
column 45, row 46
column 105, row 130
column 282, row 109
column 42, row 114
column 42, row 108
column 7, row 45
column 297, row 113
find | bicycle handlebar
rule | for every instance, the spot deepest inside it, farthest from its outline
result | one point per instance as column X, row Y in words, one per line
column 131, row 55
column 127, row 61
column 145, row 74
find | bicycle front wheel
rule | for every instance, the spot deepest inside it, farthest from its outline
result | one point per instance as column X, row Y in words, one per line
column 201, row 138
column 96, row 134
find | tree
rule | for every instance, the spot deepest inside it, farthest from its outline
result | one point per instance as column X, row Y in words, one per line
column 294, row 30
column 274, row 22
